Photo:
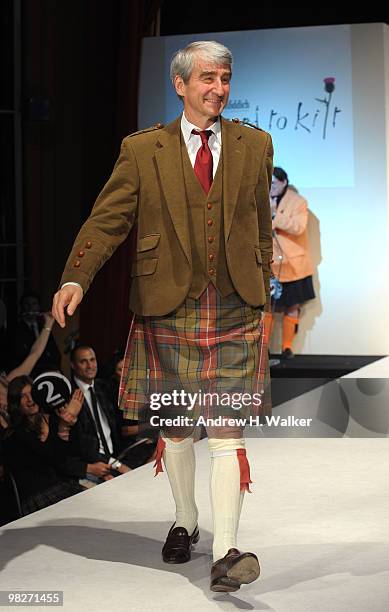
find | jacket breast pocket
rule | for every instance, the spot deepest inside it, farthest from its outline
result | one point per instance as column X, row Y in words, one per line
column 148, row 242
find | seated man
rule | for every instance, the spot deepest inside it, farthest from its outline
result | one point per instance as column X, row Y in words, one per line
column 95, row 436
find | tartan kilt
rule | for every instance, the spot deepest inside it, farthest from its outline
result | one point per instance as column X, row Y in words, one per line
column 50, row 496
column 209, row 345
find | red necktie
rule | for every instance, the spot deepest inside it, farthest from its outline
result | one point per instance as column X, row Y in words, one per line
column 204, row 161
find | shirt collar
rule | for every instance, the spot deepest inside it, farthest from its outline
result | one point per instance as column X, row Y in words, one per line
column 187, row 127
column 83, row 385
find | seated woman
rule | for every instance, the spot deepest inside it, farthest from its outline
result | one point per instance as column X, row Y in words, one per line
column 36, row 444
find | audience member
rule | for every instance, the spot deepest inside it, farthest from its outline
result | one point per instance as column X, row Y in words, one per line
column 96, row 435
column 35, row 445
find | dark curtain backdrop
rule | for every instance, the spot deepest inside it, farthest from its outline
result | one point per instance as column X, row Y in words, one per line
column 80, row 84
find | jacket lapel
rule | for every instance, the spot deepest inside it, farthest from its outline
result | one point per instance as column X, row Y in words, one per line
column 234, row 152
column 85, row 413
column 169, row 162
column 109, row 412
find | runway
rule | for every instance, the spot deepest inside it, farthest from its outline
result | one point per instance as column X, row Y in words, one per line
column 317, row 518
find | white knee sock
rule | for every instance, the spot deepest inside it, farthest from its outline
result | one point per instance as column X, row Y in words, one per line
column 179, row 460
column 226, row 497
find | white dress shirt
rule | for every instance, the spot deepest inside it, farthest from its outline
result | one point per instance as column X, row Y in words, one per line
column 193, row 141
column 104, row 421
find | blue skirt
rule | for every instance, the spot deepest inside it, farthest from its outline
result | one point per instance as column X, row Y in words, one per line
column 296, row 292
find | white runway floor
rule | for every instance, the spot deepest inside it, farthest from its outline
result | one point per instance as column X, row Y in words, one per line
column 318, row 518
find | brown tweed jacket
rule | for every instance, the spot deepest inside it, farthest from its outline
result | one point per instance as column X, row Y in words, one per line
column 147, row 187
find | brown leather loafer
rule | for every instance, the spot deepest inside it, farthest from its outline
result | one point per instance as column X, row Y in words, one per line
column 234, row 569
column 179, row 544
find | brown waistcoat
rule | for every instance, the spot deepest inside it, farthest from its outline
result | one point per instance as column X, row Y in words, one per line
column 206, row 231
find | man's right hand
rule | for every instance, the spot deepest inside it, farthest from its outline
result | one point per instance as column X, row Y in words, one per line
column 99, row 469
column 70, row 296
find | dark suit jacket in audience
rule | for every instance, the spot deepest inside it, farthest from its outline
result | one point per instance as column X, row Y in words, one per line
column 84, row 436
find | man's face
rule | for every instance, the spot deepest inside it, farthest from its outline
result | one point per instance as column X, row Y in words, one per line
column 85, row 365
column 206, row 93
column 27, row 404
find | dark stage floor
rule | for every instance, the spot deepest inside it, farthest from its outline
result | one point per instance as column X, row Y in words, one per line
column 293, row 377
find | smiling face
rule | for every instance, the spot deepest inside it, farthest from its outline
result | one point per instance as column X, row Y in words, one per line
column 206, row 93
column 27, row 405
column 85, row 365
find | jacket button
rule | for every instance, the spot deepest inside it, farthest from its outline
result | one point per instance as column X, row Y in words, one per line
column 81, row 253
column 88, row 244
column 77, row 264
column 211, row 239
column 211, row 257
column 211, row 270
column 209, row 206
column 210, row 222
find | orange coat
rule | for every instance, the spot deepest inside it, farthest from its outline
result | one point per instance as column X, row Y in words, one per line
column 291, row 259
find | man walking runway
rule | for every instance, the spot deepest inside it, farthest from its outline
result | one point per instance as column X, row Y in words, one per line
column 198, row 190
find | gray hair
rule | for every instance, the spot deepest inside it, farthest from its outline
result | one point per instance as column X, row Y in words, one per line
column 184, row 59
